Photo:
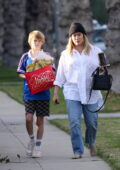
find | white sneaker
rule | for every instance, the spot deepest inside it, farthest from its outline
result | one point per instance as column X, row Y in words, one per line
column 36, row 152
column 30, row 148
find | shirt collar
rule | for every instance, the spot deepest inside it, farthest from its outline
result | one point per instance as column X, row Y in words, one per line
column 30, row 56
column 76, row 51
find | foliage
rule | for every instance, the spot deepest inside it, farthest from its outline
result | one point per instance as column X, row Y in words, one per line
column 4, row 159
column 99, row 11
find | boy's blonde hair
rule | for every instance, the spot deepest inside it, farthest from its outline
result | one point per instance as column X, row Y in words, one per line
column 36, row 34
column 86, row 45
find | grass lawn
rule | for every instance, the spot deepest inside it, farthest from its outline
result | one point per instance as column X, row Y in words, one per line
column 8, row 74
column 15, row 91
column 108, row 138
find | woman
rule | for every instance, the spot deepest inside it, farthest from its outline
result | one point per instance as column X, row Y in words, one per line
column 76, row 64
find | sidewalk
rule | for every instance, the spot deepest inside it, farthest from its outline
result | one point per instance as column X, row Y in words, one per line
column 56, row 147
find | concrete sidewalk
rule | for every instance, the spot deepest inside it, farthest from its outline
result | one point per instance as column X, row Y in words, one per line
column 56, row 147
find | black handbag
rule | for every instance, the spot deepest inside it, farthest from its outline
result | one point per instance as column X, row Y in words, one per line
column 101, row 81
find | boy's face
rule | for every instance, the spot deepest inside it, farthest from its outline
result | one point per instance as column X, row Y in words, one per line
column 36, row 44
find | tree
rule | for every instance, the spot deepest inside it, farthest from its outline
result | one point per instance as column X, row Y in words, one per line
column 99, row 10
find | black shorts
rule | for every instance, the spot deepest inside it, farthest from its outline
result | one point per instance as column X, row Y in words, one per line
column 41, row 107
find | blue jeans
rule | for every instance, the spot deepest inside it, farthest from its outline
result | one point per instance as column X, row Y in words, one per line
column 75, row 110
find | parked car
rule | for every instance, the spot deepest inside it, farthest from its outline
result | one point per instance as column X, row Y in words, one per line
column 98, row 32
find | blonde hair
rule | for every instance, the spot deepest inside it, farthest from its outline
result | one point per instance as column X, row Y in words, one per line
column 71, row 45
column 36, row 34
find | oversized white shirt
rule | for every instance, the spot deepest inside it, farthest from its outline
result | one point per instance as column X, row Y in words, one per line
column 74, row 75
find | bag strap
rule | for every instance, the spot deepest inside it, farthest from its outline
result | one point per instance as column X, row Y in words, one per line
column 102, row 104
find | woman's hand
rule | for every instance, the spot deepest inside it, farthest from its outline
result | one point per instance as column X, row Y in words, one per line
column 101, row 68
column 56, row 99
column 56, row 96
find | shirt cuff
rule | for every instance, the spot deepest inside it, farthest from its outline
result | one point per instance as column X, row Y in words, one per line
column 20, row 71
column 56, row 83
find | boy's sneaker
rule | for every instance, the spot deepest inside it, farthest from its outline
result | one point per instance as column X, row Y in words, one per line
column 30, row 148
column 36, row 152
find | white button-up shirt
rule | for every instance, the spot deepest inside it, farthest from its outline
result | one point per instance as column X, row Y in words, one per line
column 74, row 75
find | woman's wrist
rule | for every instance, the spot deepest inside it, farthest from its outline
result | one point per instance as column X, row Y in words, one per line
column 55, row 94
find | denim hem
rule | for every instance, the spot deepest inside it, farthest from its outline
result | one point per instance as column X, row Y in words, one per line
column 78, row 153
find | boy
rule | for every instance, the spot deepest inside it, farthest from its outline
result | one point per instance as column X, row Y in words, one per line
column 38, row 102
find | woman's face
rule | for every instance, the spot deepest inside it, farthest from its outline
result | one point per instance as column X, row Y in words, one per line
column 36, row 44
column 78, row 39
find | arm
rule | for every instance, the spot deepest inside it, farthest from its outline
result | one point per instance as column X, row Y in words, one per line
column 22, row 66
column 60, row 80
column 60, row 75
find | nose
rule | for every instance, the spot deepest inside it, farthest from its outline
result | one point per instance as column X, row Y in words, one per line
column 37, row 42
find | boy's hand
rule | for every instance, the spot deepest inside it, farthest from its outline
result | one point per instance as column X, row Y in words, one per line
column 22, row 76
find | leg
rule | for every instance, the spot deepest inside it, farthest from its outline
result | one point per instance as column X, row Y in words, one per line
column 74, row 114
column 29, row 127
column 42, row 109
column 40, row 126
column 91, row 121
column 29, row 107
column 29, row 123
column 39, row 130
